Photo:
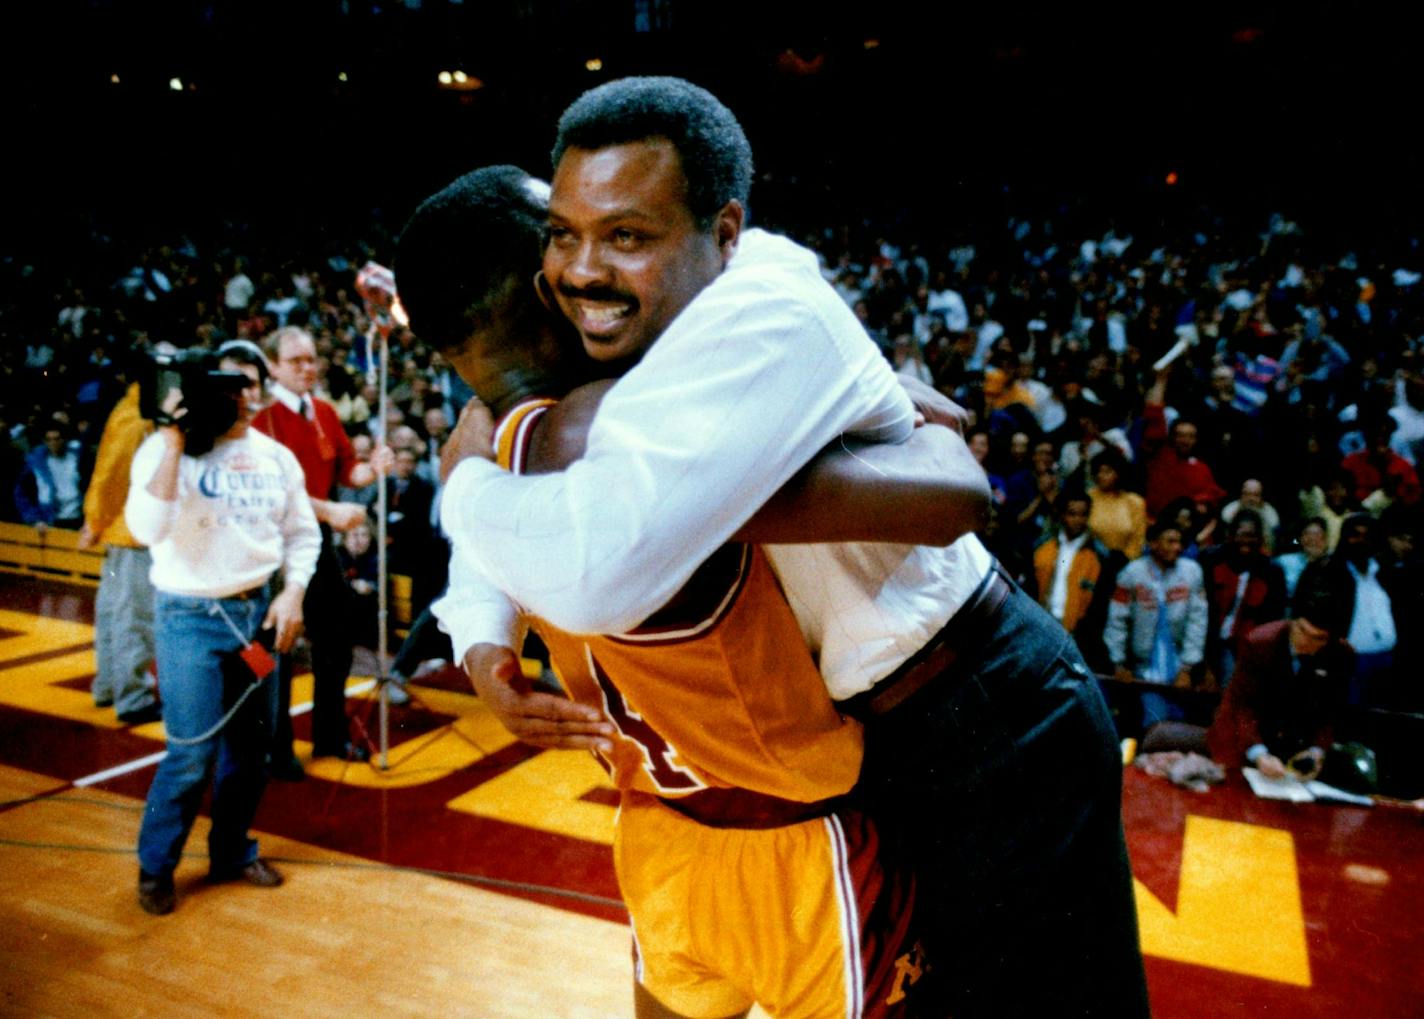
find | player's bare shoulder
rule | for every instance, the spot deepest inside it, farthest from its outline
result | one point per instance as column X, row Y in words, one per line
column 562, row 433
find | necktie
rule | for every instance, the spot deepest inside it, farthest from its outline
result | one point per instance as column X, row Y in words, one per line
column 323, row 442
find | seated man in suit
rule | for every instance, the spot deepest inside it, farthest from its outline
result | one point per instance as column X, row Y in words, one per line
column 1288, row 688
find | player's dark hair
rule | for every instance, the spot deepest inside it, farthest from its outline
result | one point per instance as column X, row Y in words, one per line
column 716, row 156
column 467, row 249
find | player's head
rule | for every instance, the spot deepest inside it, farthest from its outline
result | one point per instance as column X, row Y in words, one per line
column 651, row 177
column 465, row 266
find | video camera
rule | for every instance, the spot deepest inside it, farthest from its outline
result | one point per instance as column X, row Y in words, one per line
column 207, row 396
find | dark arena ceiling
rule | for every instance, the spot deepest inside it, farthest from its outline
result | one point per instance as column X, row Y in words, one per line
column 241, row 107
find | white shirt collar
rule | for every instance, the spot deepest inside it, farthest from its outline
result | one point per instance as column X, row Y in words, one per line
column 287, row 398
column 1370, row 572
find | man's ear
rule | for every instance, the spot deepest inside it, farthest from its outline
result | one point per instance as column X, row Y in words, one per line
column 728, row 228
column 545, row 292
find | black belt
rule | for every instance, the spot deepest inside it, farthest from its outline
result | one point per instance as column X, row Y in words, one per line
column 939, row 655
column 249, row 594
column 742, row 808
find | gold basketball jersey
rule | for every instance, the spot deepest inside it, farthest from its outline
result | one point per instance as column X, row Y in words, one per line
column 716, row 691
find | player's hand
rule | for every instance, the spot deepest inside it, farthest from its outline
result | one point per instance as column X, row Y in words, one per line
column 934, row 407
column 285, row 616
column 1123, row 673
column 539, row 719
column 473, row 436
column 88, row 537
column 343, row 516
column 1270, row 766
column 1184, row 680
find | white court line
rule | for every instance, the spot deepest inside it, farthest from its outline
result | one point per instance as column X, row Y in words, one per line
column 143, row 762
column 121, row 769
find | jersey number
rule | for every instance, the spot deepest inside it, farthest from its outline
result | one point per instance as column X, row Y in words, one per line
column 659, row 756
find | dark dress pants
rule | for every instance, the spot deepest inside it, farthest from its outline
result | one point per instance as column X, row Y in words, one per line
column 329, row 631
column 1003, row 779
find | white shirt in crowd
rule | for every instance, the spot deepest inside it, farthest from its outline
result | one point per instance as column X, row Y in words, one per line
column 1058, row 594
column 238, row 292
column 241, row 513
column 66, row 496
column 1372, row 628
column 949, row 304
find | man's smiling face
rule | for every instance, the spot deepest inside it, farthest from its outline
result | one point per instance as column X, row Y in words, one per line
column 625, row 254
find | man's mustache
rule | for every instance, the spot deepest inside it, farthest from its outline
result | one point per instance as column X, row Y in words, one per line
column 607, row 294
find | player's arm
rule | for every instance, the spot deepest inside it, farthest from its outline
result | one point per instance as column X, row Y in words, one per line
column 928, row 490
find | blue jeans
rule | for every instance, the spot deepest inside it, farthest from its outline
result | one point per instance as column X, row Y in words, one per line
column 1003, row 778
column 200, row 677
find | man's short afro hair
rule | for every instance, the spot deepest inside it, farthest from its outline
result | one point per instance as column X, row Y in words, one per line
column 464, row 245
column 716, row 156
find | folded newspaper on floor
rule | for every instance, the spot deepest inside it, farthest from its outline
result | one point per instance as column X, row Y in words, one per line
column 1293, row 789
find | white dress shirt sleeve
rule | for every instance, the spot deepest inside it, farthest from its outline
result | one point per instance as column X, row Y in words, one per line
column 472, row 611
column 759, row 373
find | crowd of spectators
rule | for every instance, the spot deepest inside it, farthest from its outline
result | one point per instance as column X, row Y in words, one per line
column 73, row 337
column 1243, row 394
column 1254, row 389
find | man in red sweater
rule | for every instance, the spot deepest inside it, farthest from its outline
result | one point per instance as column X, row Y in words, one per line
column 1173, row 469
column 310, row 428
column 1379, row 471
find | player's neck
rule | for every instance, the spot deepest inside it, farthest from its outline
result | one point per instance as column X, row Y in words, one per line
column 501, row 390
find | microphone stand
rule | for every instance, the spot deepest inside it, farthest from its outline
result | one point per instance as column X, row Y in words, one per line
column 382, row 574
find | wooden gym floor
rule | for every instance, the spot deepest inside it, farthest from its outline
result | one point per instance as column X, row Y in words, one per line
column 472, row 876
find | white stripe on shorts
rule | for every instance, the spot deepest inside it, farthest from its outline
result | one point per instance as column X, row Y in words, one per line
column 850, row 919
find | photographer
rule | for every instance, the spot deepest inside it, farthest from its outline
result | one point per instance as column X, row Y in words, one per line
column 219, row 524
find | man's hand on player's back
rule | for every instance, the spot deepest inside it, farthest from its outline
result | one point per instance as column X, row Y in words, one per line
column 934, row 407
column 473, row 436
